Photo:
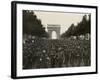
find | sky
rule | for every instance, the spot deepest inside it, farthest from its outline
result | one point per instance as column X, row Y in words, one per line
column 63, row 19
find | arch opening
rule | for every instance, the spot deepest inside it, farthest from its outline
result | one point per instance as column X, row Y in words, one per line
column 54, row 35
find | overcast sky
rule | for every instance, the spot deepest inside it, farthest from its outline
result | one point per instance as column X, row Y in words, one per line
column 59, row 18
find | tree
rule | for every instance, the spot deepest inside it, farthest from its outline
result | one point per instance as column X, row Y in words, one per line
column 32, row 25
column 82, row 28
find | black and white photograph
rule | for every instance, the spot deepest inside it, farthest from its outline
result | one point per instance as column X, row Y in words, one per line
column 53, row 39
column 56, row 39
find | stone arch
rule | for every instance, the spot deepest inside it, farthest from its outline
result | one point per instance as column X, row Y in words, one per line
column 51, row 28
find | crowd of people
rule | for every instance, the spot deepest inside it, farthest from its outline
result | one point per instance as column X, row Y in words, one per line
column 48, row 53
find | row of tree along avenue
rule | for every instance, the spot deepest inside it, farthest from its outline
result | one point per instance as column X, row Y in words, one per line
column 81, row 28
column 32, row 25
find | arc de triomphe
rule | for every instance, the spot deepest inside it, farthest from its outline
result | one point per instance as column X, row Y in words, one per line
column 53, row 27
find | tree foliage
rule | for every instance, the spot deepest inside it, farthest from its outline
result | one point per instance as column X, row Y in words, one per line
column 32, row 25
column 82, row 28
